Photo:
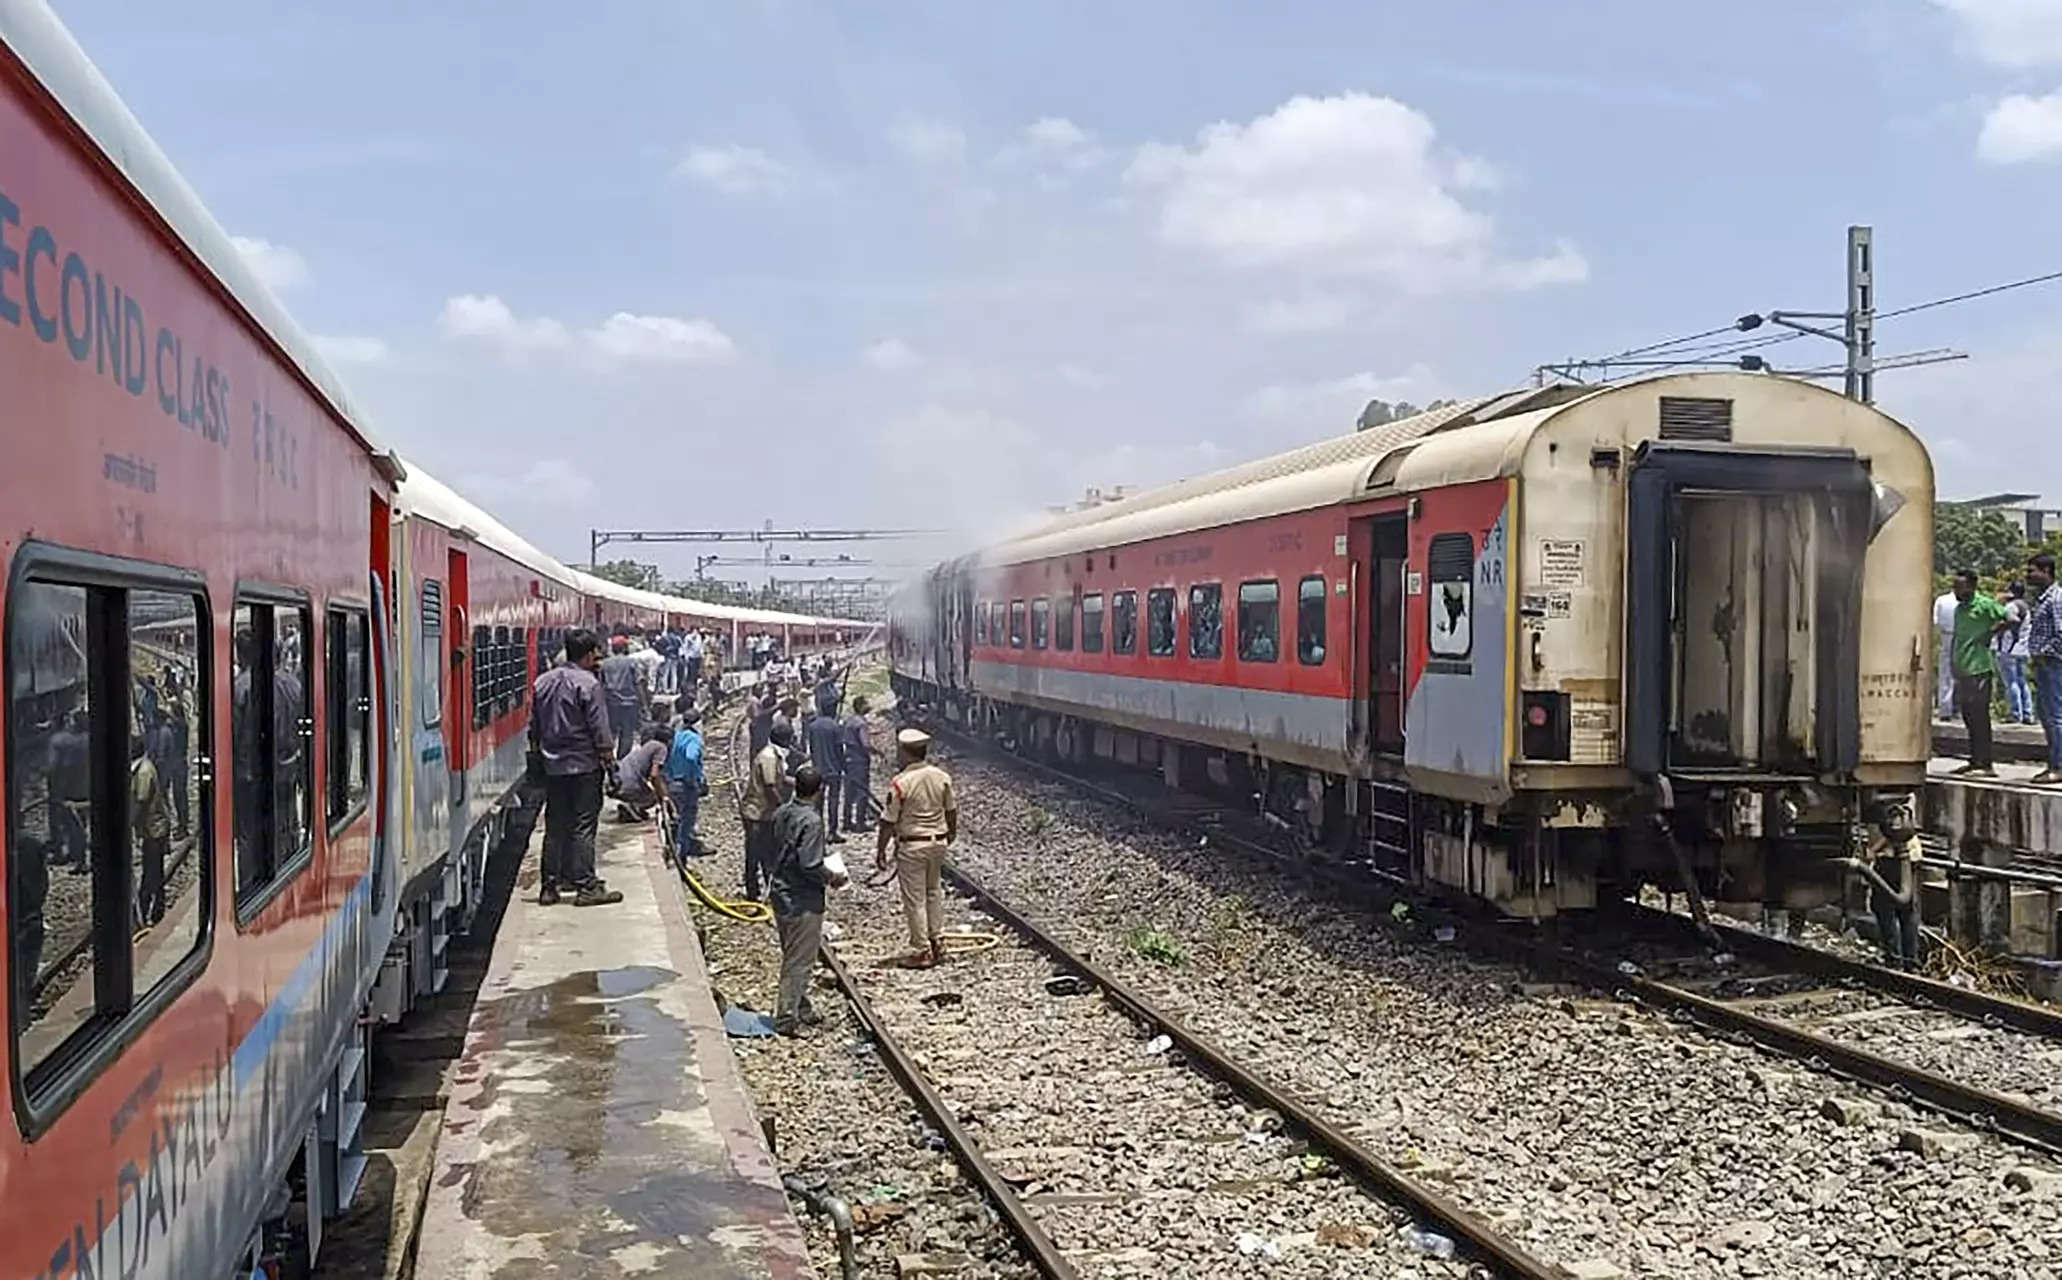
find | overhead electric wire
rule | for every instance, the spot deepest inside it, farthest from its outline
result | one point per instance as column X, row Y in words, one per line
column 1657, row 346
column 1976, row 293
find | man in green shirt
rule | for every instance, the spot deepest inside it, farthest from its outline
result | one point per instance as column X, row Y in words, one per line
column 1978, row 619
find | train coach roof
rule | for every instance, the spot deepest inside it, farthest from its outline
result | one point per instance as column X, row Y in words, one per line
column 1321, row 474
column 660, row 602
column 40, row 41
column 424, row 495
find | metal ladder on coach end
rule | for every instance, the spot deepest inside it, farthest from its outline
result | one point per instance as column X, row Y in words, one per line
column 1386, row 833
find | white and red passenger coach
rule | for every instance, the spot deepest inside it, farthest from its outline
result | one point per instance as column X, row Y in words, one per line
column 267, row 704
column 1485, row 646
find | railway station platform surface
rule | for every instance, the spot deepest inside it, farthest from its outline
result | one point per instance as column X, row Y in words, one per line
column 597, row 1124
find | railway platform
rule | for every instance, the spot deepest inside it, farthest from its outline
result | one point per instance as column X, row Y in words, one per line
column 597, row 1123
column 1995, row 876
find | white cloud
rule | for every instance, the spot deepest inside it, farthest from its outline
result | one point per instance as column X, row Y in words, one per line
column 661, row 340
column 2011, row 33
column 892, row 355
column 735, row 170
column 1080, row 375
column 486, row 318
column 278, row 266
column 623, row 337
column 1346, row 185
column 930, row 143
column 348, row 349
column 2022, row 128
column 1059, row 141
column 1311, row 313
column 546, row 482
column 1331, row 405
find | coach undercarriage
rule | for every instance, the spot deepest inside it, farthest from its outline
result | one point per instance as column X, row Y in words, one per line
column 1778, row 843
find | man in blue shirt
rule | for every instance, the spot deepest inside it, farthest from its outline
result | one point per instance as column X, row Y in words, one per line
column 827, row 753
column 685, row 783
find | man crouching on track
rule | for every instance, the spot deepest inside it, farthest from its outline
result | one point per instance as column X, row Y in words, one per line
column 569, row 726
column 923, row 819
column 799, row 874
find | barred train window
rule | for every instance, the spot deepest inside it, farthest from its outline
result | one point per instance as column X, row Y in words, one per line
column 1041, row 621
column 1016, row 624
column 1124, row 622
column 1260, row 621
column 1063, row 623
column 1206, row 620
column 1160, row 622
column 271, row 742
column 1092, row 624
column 483, row 659
column 347, row 723
column 1310, row 621
column 109, row 875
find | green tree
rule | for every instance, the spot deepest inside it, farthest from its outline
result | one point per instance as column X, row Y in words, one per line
column 629, row 573
column 1964, row 538
column 1380, row 413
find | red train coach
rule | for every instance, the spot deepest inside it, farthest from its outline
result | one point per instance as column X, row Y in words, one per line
column 197, row 893
column 1497, row 647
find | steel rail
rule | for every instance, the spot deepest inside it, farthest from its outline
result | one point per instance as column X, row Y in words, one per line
column 1981, row 1006
column 1979, row 1108
column 1483, row 1239
column 1038, row 1247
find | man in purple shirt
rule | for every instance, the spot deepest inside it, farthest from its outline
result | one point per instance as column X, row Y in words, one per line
column 569, row 726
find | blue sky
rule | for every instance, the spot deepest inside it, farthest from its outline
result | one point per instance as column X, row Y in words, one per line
column 665, row 264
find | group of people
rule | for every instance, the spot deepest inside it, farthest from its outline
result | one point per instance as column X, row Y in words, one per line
column 2011, row 646
column 789, row 820
column 809, row 780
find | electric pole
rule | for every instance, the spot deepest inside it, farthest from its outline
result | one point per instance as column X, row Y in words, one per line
column 1860, row 333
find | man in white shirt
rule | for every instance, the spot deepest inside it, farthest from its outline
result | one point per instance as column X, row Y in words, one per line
column 1943, row 648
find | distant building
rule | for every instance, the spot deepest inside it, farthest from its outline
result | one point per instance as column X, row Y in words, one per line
column 2021, row 509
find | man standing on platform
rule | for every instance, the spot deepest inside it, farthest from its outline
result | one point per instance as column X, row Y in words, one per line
column 2044, row 655
column 923, row 819
column 569, row 727
column 766, row 790
column 623, row 677
column 1978, row 618
column 667, row 644
column 798, row 876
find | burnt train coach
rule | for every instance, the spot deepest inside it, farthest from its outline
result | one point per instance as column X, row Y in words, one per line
column 1534, row 649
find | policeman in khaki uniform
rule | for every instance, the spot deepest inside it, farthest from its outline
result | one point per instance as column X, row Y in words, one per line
column 923, row 819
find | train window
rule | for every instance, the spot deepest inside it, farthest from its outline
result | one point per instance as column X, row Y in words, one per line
column 108, row 862
column 1160, row 622
column 270, row 738
column 349, row 711
column 1260, row 621
column 520, row 638
column 981, row 622
column 1310, row 621
column 1124, row 622
column 484, row 661
column 1063, row 625
column 1016, row 624
column 1206, row 620
column 504, row 673
column 1450, row 572
column 1041, row 621
column 1092, row 623
column 429, row 683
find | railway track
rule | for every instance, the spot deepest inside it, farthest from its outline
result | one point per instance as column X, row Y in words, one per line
column 1737, row 1002
column 1088, row 1117
column 1701, row 1025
